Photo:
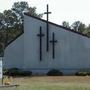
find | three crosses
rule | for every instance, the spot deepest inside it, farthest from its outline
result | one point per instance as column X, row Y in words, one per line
column 40, row 35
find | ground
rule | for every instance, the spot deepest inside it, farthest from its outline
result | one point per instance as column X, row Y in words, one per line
column 51, row 83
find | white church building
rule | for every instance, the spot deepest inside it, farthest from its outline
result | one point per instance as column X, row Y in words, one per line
column 45, row 45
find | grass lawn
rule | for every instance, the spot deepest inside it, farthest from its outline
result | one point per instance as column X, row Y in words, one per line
column 51, row 83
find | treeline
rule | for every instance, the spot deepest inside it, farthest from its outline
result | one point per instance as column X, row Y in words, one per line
column 11, row 22
column 78, row 26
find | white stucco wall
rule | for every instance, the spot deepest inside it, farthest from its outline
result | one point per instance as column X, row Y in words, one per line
column 14, row 54
column 72, row 50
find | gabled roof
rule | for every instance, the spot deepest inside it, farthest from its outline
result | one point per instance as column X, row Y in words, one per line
column 71, row 30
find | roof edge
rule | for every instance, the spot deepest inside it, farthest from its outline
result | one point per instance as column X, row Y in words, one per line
column 68, row 29
column 13, row 39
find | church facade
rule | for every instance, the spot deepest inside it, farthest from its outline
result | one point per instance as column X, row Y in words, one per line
column 39, row 50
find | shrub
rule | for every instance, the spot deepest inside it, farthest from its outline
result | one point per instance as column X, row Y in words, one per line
column 13, row 71
column 89, row 73
column 54, row 72
column 17, row 72
column 5, row 70
column 81, row 73
column 25, row 73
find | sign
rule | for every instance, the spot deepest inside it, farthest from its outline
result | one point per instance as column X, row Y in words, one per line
column 0, row 67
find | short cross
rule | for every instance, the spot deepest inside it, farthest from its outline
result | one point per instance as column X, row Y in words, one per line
column 53, row 41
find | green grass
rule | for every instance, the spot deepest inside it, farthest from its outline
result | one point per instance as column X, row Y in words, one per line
column 51, row 83
column 47, row 87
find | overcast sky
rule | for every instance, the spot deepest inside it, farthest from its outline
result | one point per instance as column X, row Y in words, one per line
column 62, row 10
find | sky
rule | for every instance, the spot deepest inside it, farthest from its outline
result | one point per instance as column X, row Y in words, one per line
column 62, row 10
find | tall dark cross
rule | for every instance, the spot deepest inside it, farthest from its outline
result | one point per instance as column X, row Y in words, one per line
column 47, row 32
column 40, row 35
column 53, row 41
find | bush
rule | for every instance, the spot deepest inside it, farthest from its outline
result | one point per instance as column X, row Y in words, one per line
column 81, row 73
column 89, row 73
column 5, row 71
column 13, row 72
column 17, row 72
column 25, row 73
column 54, row 72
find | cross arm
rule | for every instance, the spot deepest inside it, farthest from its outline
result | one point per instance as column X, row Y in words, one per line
column 40, row 35
column 47, row 12
column 53, row 41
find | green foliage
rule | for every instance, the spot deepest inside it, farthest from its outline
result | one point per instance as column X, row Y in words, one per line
column 16, row 72
column 78, row 26
column 5, row 70
column 19, row 7
column 25, row 73
column 11, row 22
column 87, row 31
column 54, row 72
column 83, row 73
column 12, row 71
column 66, row 24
